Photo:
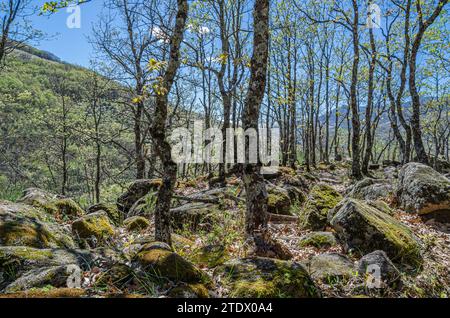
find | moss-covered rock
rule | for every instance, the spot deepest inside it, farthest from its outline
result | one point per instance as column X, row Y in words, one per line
column 17, row 260
column 95, row 225
column 158, row 261
column 113, row 212
column 278, row 201
column 210, row 255
column 321, row 200
column 330, row 268
column 189, row 291
column 136, row 191
column 37, row 197
column 372, row 189
column 55, row 205
column 424, row 191
column 318, row 240
column 22, row 225
column 194, row 216
column 68, row 208
column 266, row 278
column 365, row 229
column 297, row 196
column 136, row 223
column 55, row 276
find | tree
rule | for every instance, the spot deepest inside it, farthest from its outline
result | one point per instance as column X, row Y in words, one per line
column 424, row 24
column 158, row 128
column 256, row 220
column 15, row 28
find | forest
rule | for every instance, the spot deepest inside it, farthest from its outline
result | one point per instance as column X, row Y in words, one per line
column 227, row 149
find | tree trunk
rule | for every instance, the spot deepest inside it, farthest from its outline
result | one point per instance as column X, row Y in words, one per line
column 158, row 131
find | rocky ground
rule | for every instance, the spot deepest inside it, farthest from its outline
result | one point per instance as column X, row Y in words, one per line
column 385, row 236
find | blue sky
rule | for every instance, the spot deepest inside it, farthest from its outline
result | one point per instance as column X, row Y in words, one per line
column 71, row 45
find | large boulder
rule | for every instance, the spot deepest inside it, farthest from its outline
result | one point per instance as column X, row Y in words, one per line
column 330, row 267
column 364, row 229
column 16, row 261
column 95, row 226
column 113, row 212
column 58, row 206
column 55, row 276
column 194, row 216
column 423, row 190
column 158, row 260
column 321, row 200
column 23, row 225
column 136, row 223
column 378, row 263
column 372, row 189
column 266, row 278
column 278, row 201
column 136, row 191
column 37, row 197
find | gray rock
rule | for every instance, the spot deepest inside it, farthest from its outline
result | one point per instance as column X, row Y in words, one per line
column 136, row 191
column 379, row 262
column 55, row 276
column 364, row 229
column 330, row 267
column 372, row 189
column 424, row 191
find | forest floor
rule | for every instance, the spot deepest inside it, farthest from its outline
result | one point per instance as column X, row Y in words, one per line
column 220, row 229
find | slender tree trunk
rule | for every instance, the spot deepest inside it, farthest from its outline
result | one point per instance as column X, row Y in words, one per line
column 415, row 118
column 356, row 125
column 255, row 188
column 369, row 140
column 158, row 131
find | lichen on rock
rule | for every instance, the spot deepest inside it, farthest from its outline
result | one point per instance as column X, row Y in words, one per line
column 321, row 200
column 364, row 229
column 266, row 278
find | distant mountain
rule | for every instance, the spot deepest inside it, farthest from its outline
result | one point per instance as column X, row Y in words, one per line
column 27, row 52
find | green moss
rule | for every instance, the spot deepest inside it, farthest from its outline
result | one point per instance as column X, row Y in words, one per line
column 96, row 224
column 278, row 202
column 266, row 278
column 164, row 263
column 210, row 256
column 367, row 229
column 68, row 207
column 24, row 233
column 318, row 240
column 136, row 223
column 111, row 210
column 321, row 200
